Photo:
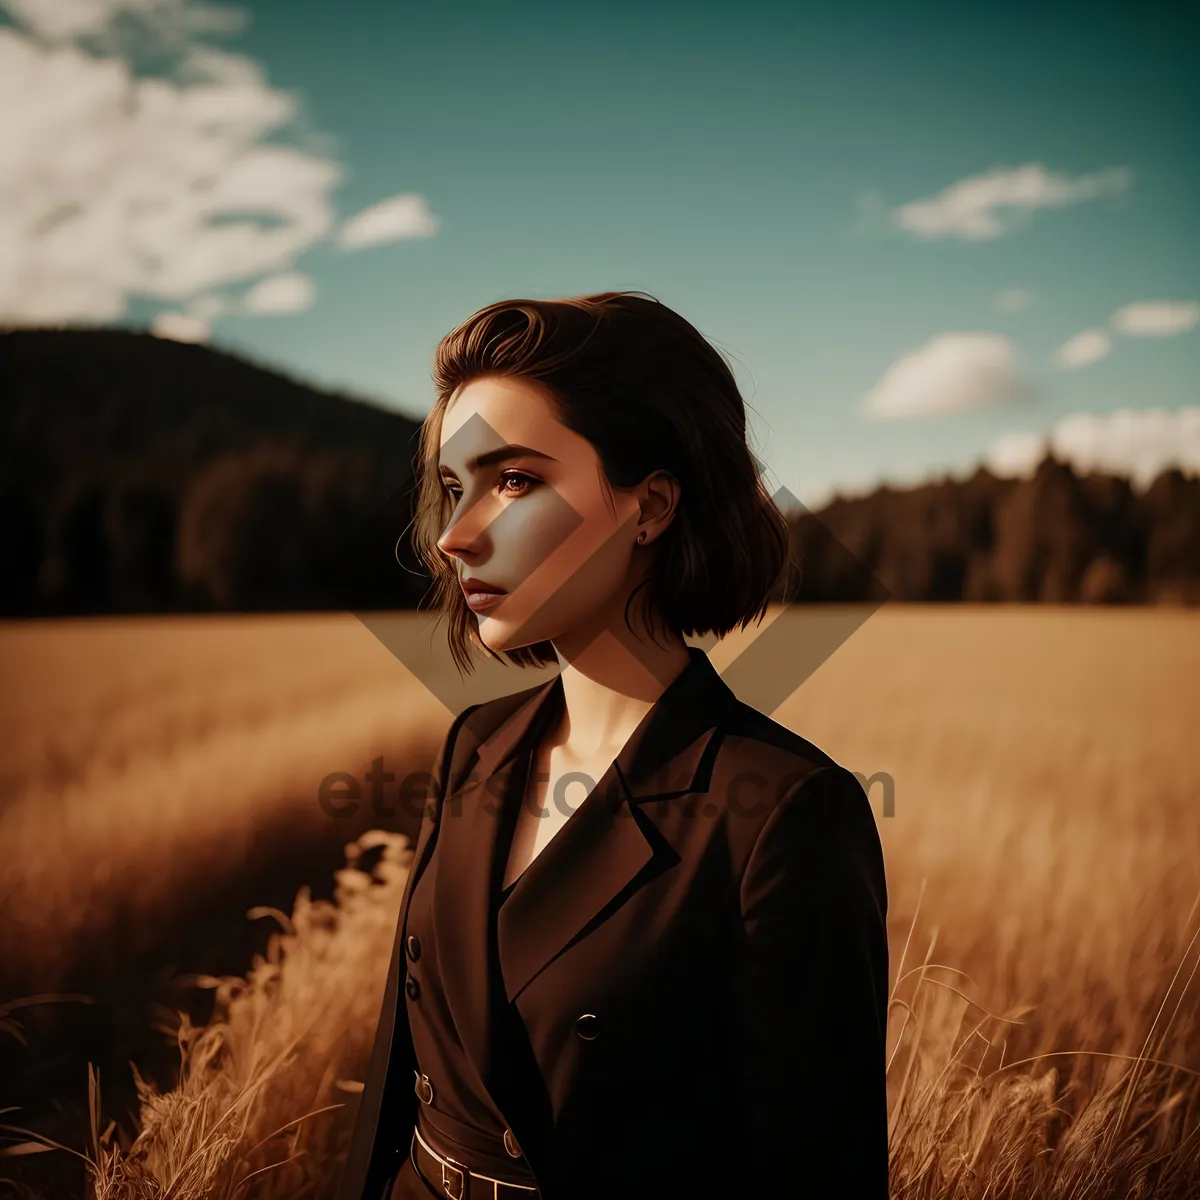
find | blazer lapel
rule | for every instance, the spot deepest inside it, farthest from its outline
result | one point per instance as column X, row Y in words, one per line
column 472, row 817
column 609, row 847
column 604, row 851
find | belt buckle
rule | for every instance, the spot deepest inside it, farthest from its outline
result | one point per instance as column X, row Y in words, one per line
column 464, row 1177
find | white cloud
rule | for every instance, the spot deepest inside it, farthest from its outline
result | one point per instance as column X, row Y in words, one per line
column 969, row 209
column 950, row 373
column 114, row 184
column 1083, row 349
column 291, row 292
column 1014, row 299
column 203, row 64
column 1157, row 318
column 209, row 306
column 180, row 327
column 1015, row 453
column 164, row 22
column 1136, row 443
column 69, row 19
column 404, row 216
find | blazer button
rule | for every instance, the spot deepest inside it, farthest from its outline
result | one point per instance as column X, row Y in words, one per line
column 588, row 1026
column 413, row 946
column 412, row 987
column 423, row 1088
column 510, row 1144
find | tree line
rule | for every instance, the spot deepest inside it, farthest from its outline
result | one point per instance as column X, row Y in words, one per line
column 139, row 475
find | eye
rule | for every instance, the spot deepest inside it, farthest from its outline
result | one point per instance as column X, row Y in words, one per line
column 524, row 483
column 519, row 476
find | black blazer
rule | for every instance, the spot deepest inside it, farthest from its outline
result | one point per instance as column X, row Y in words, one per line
column 718, row 903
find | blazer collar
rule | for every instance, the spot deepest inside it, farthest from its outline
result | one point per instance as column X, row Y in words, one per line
column 605, row 851
column 668, row 734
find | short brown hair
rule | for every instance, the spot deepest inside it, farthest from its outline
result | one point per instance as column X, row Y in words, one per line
column 649, row 392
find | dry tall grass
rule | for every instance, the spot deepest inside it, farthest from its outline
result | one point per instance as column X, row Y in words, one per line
column 1044, row 872
column 147, row 760
column 258, row 1083
column 252, row 1113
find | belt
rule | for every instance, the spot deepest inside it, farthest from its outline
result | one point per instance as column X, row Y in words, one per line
column 457, row 1181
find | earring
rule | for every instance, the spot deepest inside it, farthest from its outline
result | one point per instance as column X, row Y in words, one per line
column 641, row 537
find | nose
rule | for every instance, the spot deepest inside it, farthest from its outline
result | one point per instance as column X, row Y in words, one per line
column 462, row 537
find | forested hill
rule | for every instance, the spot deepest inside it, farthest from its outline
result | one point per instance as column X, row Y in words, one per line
column 1058, row 537
column 144, row 475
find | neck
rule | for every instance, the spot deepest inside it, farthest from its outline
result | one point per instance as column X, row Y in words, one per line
column 609, row 684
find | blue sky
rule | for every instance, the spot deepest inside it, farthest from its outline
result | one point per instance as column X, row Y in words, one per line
column 749, row 164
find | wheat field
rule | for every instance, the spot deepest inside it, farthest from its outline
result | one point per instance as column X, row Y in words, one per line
column 1042, row 846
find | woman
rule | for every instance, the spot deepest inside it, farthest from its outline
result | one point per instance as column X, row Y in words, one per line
column 642, row 941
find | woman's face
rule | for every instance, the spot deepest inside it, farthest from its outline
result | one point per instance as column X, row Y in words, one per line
column 532, row 517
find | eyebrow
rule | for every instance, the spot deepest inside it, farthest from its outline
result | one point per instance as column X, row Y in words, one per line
column 503, row 453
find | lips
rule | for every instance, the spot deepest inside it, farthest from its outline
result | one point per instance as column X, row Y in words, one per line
column 480, row 594
column 480, row 601
column 472, row 584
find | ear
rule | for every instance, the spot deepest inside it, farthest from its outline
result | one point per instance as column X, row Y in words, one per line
column 658, row 499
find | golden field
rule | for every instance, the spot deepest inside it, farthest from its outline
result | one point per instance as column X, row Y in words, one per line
column 161, row 779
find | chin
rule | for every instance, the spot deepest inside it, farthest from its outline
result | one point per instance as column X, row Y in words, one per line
column 499, row 635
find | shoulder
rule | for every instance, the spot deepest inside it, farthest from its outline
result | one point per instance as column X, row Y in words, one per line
column 751, row 737
column 756, row 751
column 763, row 772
